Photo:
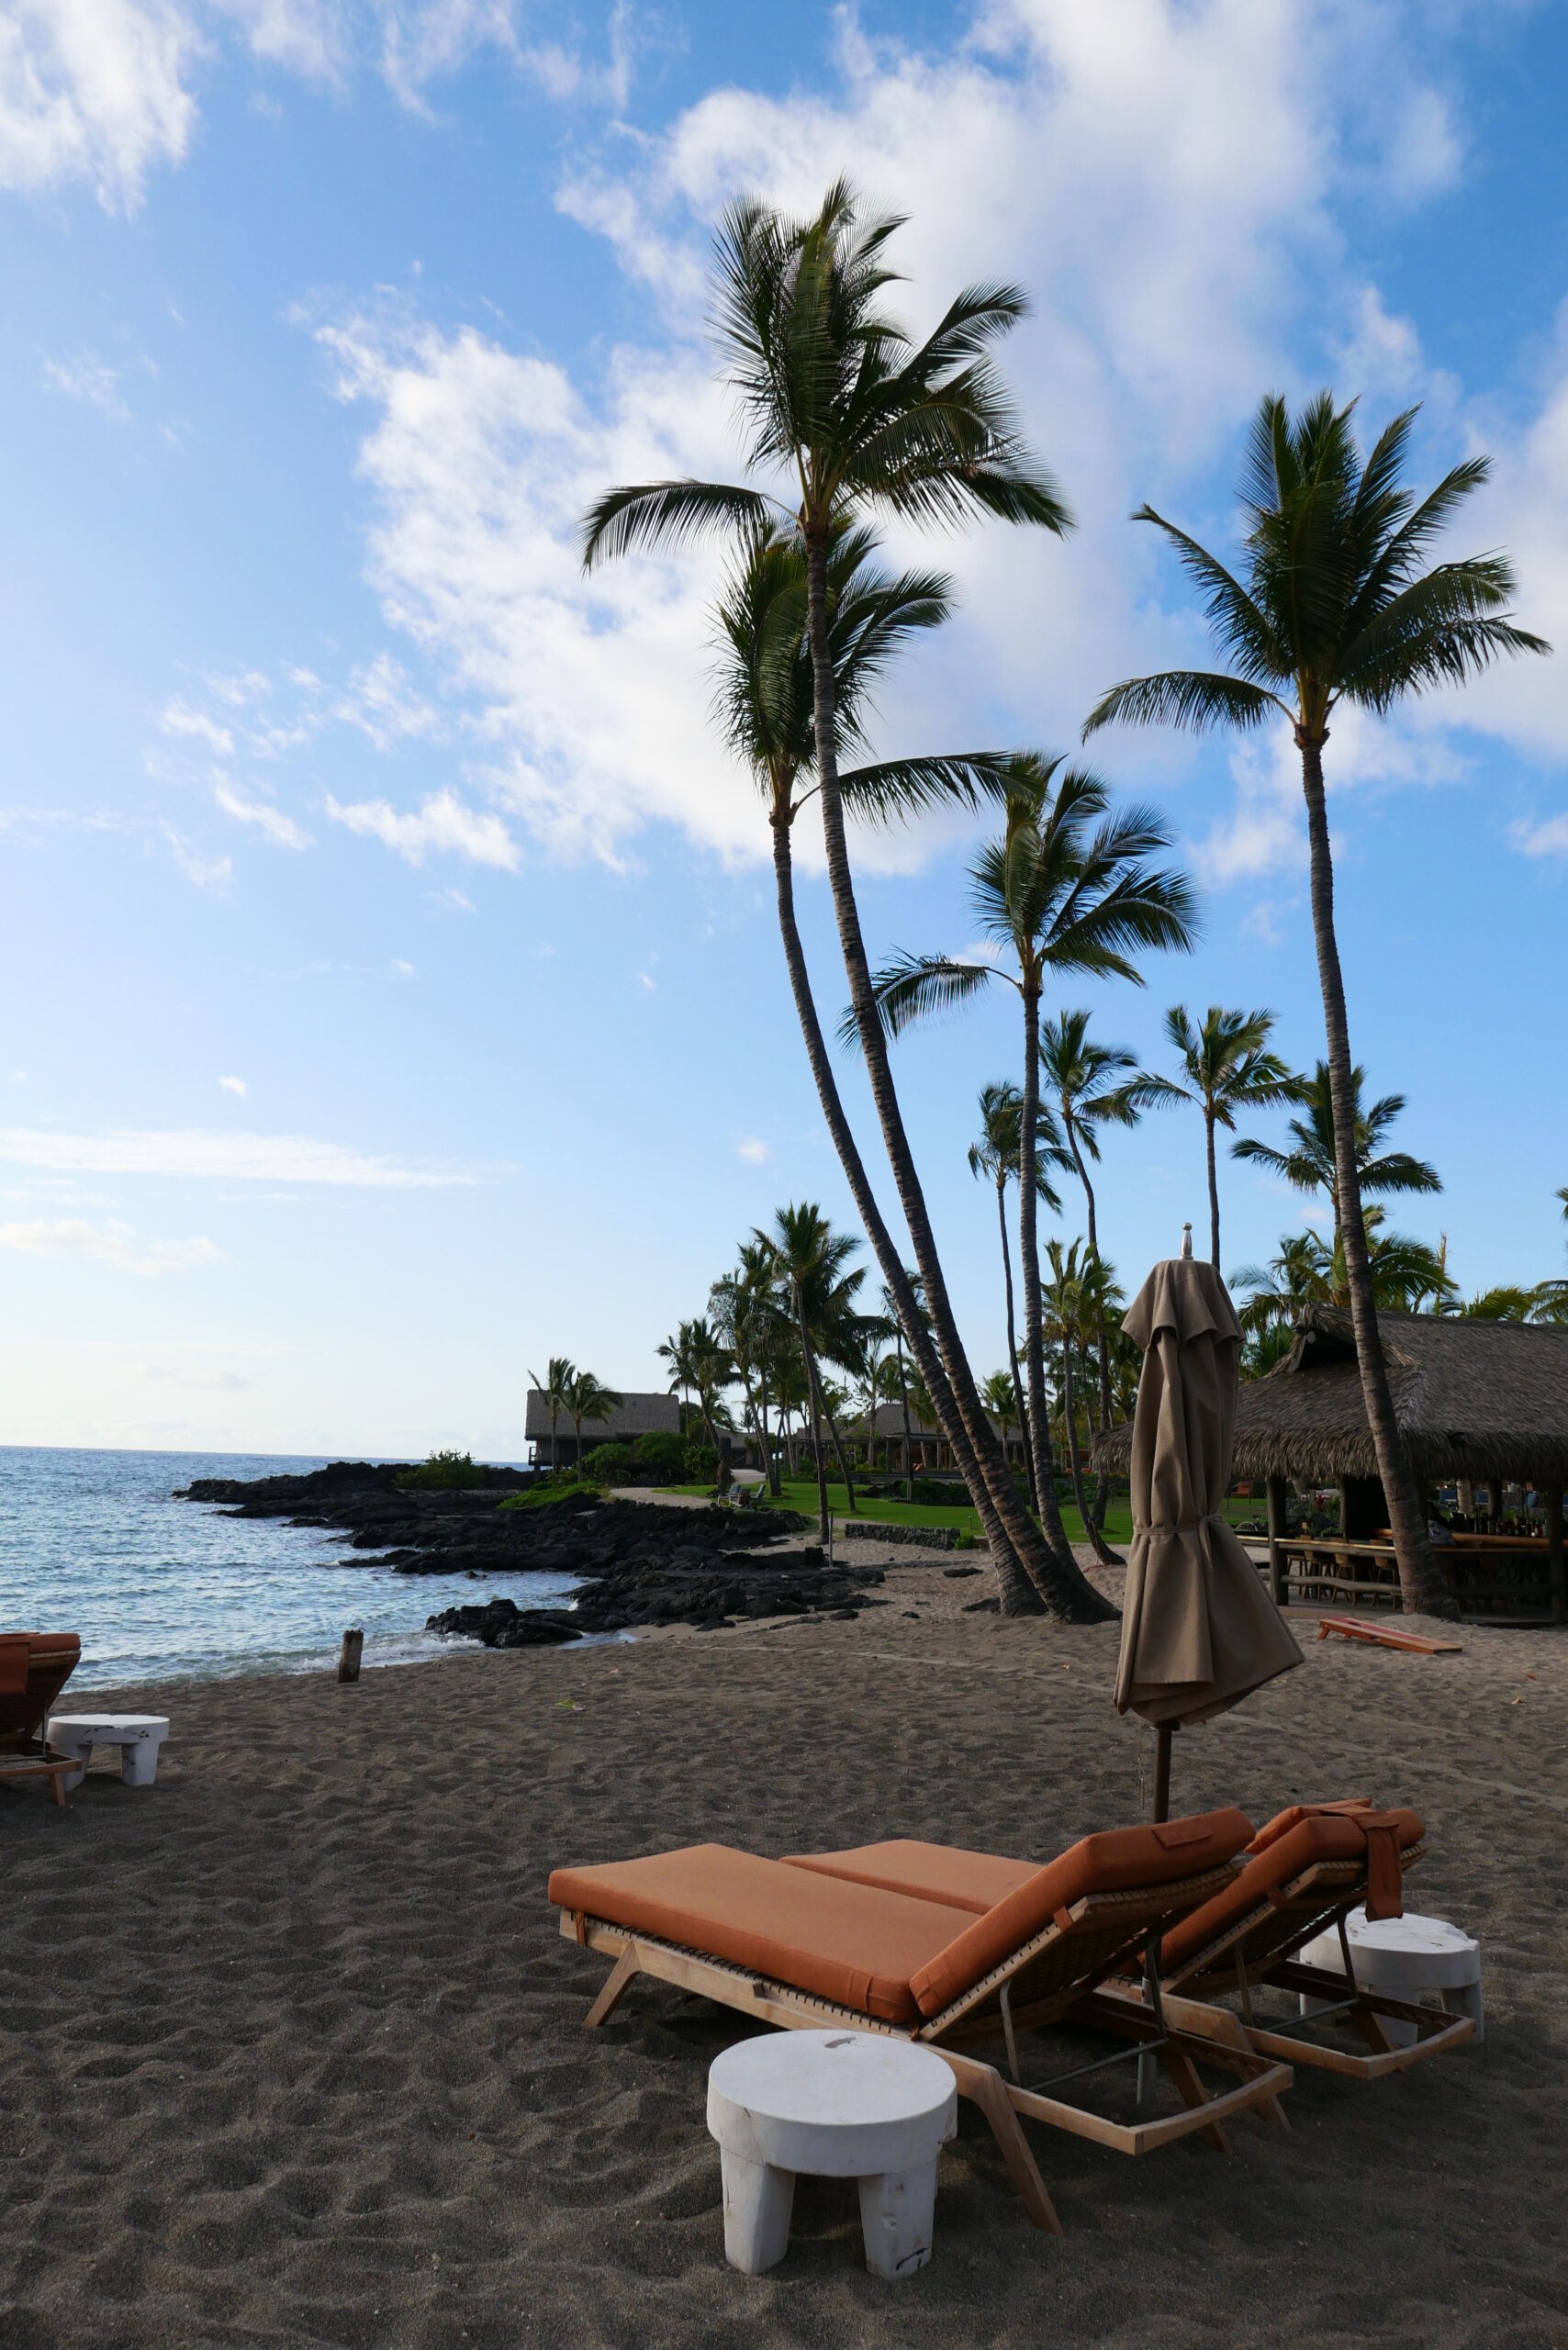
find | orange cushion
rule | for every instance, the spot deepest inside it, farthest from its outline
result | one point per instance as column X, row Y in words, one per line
column 1114, row 1862
column 1294, row 1841
column 946, row 1873
column 852, row 1944
column 34, row 1668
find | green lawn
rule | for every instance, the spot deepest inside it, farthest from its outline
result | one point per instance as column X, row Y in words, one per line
column 800, row 1494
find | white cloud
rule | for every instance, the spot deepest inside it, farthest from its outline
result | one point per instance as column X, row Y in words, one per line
column 107, row 1244
column 94, row 90
column 755, row 1153
column 88, row 378
column 236, row 1085
column 382, row 704
column 454, row 901
column 204, row 1155
column 180, row 719
column 213, row 873
column 441, row 822
column 269, row 821
column 1549, row 838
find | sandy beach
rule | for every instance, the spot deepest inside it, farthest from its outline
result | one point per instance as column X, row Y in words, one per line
column 291, row 2048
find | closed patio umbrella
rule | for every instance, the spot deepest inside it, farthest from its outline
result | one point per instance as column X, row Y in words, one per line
column 1199, row 1629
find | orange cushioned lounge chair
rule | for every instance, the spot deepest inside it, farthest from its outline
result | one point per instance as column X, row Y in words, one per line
column 1304, row 1875
column 34, row 1668
column 1300, row 1876
column 917, row 1948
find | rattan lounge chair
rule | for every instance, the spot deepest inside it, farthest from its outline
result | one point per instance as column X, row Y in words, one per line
column 34, row 1668
column 1304, row 1875
column 806, row 1945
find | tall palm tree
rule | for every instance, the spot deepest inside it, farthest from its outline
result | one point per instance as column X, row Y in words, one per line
column 765, row 703
column 995, row 1157
column 675, row 1354
column 587, row 1398
column 1002, row 1397
column 1337, row 606
column 1226, row 1065
column 843, row 414
column 811, row 1262
column 553, row 1387
column 891, row 1306
column 712, row 1370
column 741, row 1306
column 1088, row 1083
column 1069, row 887
column 1311, row 1163
column 1068, row 1311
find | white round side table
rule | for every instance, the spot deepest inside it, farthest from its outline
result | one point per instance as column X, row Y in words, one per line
column 835, row 2105
column 1405, row 1957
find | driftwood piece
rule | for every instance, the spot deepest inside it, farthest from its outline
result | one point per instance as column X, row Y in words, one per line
column 348, row 1662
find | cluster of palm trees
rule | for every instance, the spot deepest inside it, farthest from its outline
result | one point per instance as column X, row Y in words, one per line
column 576, row 1395
column 845, row 416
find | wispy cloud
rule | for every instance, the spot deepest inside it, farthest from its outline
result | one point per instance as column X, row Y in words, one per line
column 1549, row 838
column 236, row 1085
column 755, row 1153
column 107, row 1244
column 270, row 821
column 213, row 873
column 441, row 822
column 211, row 1156
column 90, row 379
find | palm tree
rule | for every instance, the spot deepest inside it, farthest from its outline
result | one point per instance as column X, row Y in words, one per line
column 1002, row 1397
column 676, row 1353
column 996, row 1157
column 811, row 1262
column 845, row 414
column 913, row 1287
column 1226, row 1065
column 586, row 1398
column 1069, row 887
column 1066, row 1311
column 741, row 1305
column 554, row 1389
column 1336, row 607
column 1088, row 1083
column 1311, row 1163
column 712, row 1370
column 766, row 703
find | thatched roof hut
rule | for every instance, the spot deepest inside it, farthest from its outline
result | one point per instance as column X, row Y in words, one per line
column 1478, row 1400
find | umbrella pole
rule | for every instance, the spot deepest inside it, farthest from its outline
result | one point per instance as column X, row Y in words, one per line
column 1163, row 1771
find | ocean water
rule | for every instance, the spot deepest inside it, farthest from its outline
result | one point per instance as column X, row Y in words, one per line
column 94, row 1542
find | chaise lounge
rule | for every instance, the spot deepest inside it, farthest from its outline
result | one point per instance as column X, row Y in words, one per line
column 949, row 1949
column 34, row 1668
column 1304, row 1875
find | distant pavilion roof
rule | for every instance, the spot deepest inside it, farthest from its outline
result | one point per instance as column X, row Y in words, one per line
column 1473, row 1399
column 634, row 1415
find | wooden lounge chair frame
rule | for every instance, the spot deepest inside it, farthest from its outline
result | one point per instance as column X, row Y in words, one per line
column 1059, row 1973
column 1255, row 1950
column 26, row 1756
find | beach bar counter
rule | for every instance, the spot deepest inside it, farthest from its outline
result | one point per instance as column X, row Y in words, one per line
column 1481, row 1406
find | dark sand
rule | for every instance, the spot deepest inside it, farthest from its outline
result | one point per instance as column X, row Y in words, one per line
column 291, row 2048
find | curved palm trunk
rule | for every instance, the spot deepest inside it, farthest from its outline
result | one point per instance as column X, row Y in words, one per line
column 1024, row 1416
column 1029, row 1255
column 840, row 1456
column 1094, row 1519
column 814, row 1394
column 1018, row 1593
column 1054, row 1573
column 1421, row 1585
column 1213, row 1191
column 1069, row 1413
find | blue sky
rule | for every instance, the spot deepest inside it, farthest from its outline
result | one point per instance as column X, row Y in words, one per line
column 391, row 992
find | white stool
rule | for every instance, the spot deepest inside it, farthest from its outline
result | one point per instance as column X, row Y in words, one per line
column 138, row 1736
column 835, row 2105
column 1404, row 1957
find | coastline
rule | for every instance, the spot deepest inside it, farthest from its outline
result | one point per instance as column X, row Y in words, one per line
column 326, row 2080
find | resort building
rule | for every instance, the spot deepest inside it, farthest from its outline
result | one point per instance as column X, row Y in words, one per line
column 634, row 1415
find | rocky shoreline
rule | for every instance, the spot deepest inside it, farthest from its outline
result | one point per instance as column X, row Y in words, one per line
column 637, row 1564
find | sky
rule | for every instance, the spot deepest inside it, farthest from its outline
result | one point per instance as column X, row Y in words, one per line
column 391, row 990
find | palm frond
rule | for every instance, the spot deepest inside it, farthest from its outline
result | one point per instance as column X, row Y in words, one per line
column 896, row 789
column 918, row 987
column 1192, row 699
column 667, row 513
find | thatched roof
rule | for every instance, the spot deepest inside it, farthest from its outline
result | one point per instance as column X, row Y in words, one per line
column 634, row 1415
column 1473, row 1399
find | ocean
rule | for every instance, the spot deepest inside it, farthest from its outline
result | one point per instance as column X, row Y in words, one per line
column 94, row 1542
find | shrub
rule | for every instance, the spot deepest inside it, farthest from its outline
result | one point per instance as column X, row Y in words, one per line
column 611, row 1464
column 660, row 1459
column 442, row 1470
column 702, row 1461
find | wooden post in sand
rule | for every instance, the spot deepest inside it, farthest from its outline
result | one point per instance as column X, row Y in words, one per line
column 348, row 1664
column 1278, row 1578
column 1553, row 1495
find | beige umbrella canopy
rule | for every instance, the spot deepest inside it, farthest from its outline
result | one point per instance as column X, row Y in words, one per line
column 1199, row 1631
